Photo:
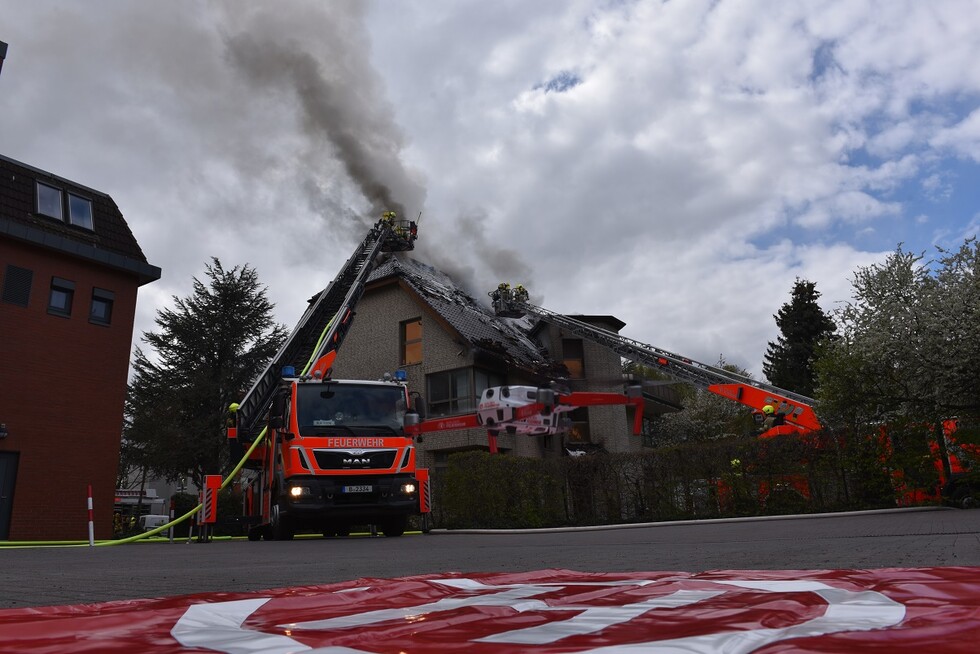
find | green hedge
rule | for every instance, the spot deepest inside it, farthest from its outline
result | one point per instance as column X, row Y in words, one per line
column 736, row 477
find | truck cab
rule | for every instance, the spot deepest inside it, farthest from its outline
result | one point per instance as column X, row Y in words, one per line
column 340, row 456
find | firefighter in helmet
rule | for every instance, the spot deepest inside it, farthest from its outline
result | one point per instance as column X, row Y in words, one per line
column 502, row 293
column 772, row 418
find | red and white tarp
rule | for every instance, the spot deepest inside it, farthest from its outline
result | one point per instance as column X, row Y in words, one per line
column 892, row 610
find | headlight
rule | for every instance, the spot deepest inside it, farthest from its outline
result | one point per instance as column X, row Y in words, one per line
column 408, row 489
column 299, row 491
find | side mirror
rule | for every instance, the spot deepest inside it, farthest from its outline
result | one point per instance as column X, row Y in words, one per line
column 278, row 411
column 419, row 405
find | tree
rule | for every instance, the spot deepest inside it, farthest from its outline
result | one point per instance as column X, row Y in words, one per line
column 909, row 351
column 209, row 348
column 705, row 416
column 803, row 325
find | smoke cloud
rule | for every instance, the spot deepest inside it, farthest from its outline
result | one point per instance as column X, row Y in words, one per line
column 339, row 96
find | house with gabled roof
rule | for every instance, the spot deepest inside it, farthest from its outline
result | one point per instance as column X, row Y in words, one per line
column 416, row 318
column 70, row 269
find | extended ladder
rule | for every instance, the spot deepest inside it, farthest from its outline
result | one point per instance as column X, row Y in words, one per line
column 798, row 409
column 326, row 320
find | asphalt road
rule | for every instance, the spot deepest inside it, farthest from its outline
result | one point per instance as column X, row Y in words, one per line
column 890, row 539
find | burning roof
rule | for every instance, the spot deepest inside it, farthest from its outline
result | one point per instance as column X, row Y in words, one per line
column 502, row 338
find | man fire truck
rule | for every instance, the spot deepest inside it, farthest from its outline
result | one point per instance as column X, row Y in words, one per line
column 327, row 454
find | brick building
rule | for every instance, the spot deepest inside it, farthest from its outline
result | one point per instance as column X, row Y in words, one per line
column 69, row 272
column 416, row 318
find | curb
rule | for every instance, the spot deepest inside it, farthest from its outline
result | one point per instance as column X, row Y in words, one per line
column 675, row 523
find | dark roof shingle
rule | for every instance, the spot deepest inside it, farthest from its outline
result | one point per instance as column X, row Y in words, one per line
column 110, row 242
column 504, row 338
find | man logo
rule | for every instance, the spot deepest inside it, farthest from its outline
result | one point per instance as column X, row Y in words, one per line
column 358, row 461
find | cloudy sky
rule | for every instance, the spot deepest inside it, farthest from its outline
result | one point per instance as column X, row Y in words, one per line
column 676, row 164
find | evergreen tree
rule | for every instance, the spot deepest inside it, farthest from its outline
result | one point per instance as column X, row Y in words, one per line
column 209, row 349
column 803, row 325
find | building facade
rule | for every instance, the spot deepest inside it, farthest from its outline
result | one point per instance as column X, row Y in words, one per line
column 415, row 318
column 69, row 272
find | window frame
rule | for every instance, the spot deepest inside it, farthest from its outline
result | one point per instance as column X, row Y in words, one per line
column 66, row 288
column 38, row 185
column 406, row 342
column 71, row 213
column 580, row 430
column 101, row 297
column 455, row 402
column 575, row 344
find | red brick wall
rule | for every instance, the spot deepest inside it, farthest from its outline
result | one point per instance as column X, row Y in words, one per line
column 62, row 388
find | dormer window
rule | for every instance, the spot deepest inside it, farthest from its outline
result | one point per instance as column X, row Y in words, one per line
column 49, row 201
column 80, row 211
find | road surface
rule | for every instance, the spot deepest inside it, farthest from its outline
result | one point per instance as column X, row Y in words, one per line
column 920, row 538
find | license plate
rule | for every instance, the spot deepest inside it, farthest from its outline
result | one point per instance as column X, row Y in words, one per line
column 357, row 489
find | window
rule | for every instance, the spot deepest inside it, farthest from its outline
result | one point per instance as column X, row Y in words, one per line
column 80, row 212
column 62, row 293
column 458, row 391
column 579, row 431
column 411, row 338
column 17, row 285
column 574, row 357
column 484, row 380
column 101, row 313
column 49, row 201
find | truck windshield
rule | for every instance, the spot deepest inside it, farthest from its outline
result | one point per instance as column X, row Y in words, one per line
column 330, row 407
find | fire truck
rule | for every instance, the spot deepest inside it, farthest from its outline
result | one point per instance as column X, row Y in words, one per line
column 792, row 413
column 326, row 454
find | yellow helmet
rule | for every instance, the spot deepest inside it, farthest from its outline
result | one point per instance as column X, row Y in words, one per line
column 233, row 407
column 768, row 410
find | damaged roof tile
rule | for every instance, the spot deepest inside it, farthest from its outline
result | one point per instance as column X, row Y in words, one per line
column 505, row 338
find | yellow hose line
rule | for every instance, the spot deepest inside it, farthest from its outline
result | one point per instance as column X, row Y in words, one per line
column 316, row 349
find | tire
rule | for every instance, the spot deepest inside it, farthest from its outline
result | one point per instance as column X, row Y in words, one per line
column 255, row 533
column 966, row 498
column 394, row 527
column 280, row 526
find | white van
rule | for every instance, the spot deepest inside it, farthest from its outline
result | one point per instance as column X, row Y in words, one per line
column 150, row 521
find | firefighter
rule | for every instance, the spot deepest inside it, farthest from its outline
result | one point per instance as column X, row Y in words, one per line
column 520, row 293
column 502, row 293
column 772, row 418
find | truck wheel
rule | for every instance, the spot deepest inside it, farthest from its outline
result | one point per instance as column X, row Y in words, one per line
column 281, row 529
column 394, row 527
column 966, row 498
column 255, row 533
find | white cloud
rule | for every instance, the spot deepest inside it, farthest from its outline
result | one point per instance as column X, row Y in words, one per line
column 709, row 153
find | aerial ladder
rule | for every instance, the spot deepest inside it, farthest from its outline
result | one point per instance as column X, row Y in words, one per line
column 328, row 454
column 794, row 411
column 320, row 331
